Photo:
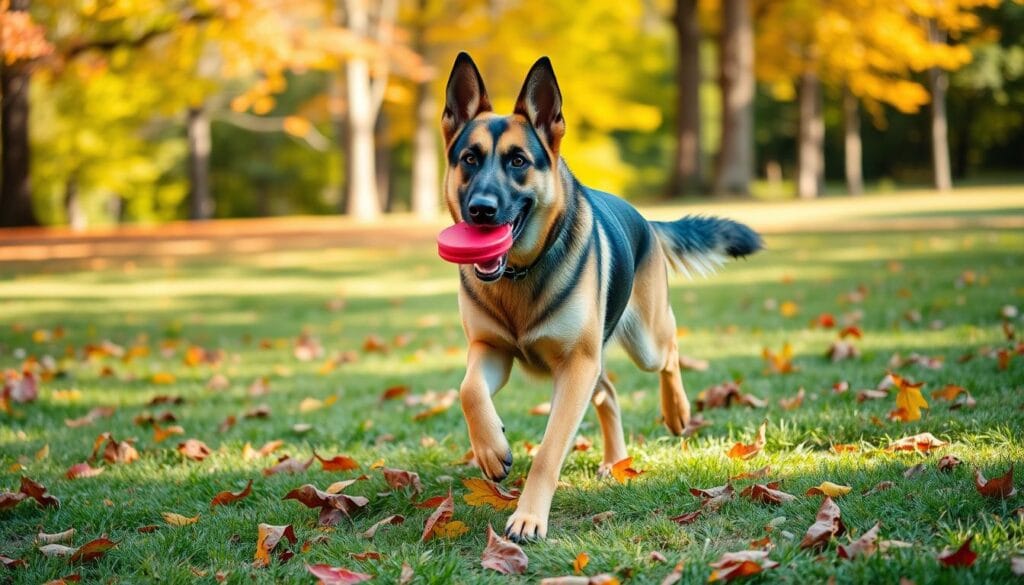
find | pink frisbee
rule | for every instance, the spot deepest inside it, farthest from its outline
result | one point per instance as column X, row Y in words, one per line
column 471, row 244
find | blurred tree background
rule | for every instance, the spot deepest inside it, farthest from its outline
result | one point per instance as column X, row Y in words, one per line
column 154, row 110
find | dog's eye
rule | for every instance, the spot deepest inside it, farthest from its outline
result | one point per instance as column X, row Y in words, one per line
column 518, row 161
column 469, row 158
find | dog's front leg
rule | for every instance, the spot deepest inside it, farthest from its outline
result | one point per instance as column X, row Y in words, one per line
column 575, row 379
column 487, row 371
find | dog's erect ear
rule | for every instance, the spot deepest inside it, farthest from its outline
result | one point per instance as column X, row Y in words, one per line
column 540, row 101
column 465, row 97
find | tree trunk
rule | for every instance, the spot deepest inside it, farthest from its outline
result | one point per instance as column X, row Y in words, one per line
column 15, row 186
column 425, row 180
column 686, row 169
column 338, row 110
column 382, row 158
column 811, row 148
column 938, row 81
column 852, row 144
column 735, row 167
column 73, row 214
column 200, row 203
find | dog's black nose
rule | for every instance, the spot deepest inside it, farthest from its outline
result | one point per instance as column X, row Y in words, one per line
column 483, row 209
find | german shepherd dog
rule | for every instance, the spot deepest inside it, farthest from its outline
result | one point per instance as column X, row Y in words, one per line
column 585, row 267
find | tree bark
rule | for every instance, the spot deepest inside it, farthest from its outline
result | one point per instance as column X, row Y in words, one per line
column 686, row 170
column 73, row 213
column 735, row 167
column 16, row 186
column 938, row 81
column 200, row 206
column 382, row 158
column 811, row 148
column 425, row 179
column 852, row 150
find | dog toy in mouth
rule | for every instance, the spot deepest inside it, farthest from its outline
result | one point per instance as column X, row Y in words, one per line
column 482, row 246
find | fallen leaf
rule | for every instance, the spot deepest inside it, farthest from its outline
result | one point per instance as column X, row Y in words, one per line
column 268, row 536
column 845, row 448
column 713, row 498
column 747, row 451
column 487, row 493
column 794, row 402
column 997, row 487
column 331, row 505
column 724, row 395
column 961, row 557
column 178, row 520
column 779, row 363
column 829, row 489
column 948, row 463
column 56, row 537
column 227, row 497
column 393, row 520
column 871, row 394
column 9, row 500
column 827, row 524
column 842, row 350
column 38, row 492
column 756, row 474
column 115, row 451
column 922, row 442
column 288, row 465
column 451, row 530
column 622, row 472
column 407, row 575
column 881, row 487
column 194, row 449
column 503, row 556
column 401, row 479
column 161, row 434
column 767, row 493
column 92, row 550
column 864, row 546
column 602, row 517
column 337, row 463
column 687, row 518
column 11, row 564
column 948, row 392
column 394, row 393
column 336, row 575
column 90, row 417
column 740, row 564
column 908, row 397
column 441, row 516
column 57, row 550
column 580, row 562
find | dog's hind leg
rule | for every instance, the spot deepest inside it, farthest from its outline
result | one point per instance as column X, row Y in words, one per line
column 606, row 403
column 487, row 371
column 675, row 408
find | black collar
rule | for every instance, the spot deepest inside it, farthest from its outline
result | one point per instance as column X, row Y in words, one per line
column 516, row 274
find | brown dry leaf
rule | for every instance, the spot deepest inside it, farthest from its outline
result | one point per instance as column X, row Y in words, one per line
column 842, row 350
column 827, row 524
column 329, row 575
column 767, row 493
column 11, row 564
column 713, row 498
column 227, row 423
column 441, row 516
column 922, row 442
column 56, row 537
column 331, row 506
column 161, row 434
column 288, row 465
column 747, row 451
column 695, row 424
column 961, row 557
column 724, row 395
column 602, row 517
column 90, row 417
column 997, row 487
column 948, row 463
column 394, row 392
column 9, row 500
column 601, row 579
column 793, row 402
column 864, row 546
column 871, row 394
column 267, row 539
column 487, row 493
column 337, row 463
column 261, row 411
column 92, row 550
column 227, row 497
column 179, row 520
column 948, row 392
column 756, row 474
column 57, row 550
column 115, row 451
column 400, row 479
column 881, row 487
column 503, row 556
column 194, row 449
column 687, row 518
column 622, row 472
column 393, row 520
column 779, row 363
column 38, row 492
column 740, row 564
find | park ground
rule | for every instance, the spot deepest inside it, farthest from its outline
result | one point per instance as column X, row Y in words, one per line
column 936, row 277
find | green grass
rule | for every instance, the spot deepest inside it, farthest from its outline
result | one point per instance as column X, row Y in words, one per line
column 234, row 303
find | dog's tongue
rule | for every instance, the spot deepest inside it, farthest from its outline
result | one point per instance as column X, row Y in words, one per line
column 463, row 243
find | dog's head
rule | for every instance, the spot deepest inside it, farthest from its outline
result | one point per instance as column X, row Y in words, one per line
column 504, row 169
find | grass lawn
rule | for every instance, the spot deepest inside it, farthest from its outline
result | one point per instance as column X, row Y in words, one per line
column 937, row 293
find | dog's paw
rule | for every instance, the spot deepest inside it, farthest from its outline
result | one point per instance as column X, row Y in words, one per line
column 523, row 526
column 604, row 471
column 494, row 458
column 675, row 410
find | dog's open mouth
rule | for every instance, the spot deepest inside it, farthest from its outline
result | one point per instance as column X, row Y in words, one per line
column 494, row 269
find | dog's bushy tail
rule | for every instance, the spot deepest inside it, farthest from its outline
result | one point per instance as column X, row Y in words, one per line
column 699, row 245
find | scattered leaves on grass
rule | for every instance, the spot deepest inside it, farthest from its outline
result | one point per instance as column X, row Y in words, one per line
column 713, row 498
column 503, row 556
column 747, row 451
column 288, row 465
column 38, row 492
column 80, row 470
column 91, row 550
column 827, row 488
column 725, row 395
column 961, row 557
column 767, row 493
column 329, row 575
column 400, row 479
column 441, row 516
column 392, row 520
column 487, row 493
column 740, row 564
column 114, row 451
column 268, row 536
column 756, row 474
column 194, row 449
column 864, row 546
column 332, row 506
column 337, row 463
column 922, row 442
column 623, row 472
column 997, row 487
column 827, row 524
column 228, row 497
column 178, row 520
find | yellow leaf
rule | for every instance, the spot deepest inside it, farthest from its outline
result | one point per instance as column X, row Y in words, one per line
column 486, row 493
column 789, row 309
column 163, row 378
column 451, row 530
column 909, row 398
column 179, row 520
column 581, row 562
column 832, row 490
column 622, row 472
